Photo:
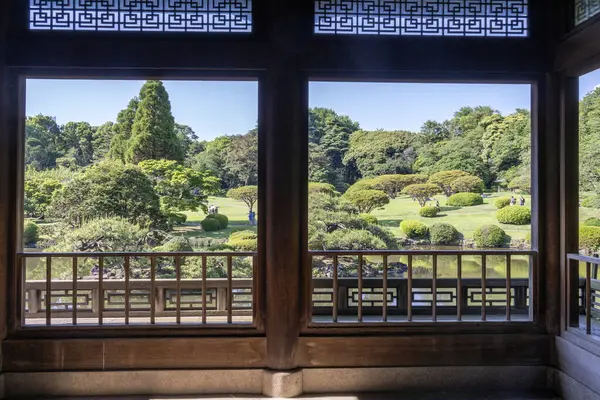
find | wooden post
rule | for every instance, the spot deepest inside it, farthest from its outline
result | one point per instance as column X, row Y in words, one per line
column 569, row 194
column 545, row 222
column 284, row 149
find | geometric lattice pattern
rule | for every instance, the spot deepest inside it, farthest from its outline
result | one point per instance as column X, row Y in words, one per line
column 142, row 15
column 585, row 9
column 423, row 17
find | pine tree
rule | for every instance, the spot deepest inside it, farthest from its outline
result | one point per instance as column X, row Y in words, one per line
column 153, row 134
column 122, row 130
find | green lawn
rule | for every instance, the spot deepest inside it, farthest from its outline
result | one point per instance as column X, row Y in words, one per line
column 466, row 219
column 235, row 210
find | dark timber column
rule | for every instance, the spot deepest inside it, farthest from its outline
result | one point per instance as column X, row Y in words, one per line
column 5, row 184
column 285, row 145
column 285, row 141
column 569, row 189
column 545, row 172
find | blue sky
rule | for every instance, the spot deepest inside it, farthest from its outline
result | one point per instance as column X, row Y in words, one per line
column 217, row 108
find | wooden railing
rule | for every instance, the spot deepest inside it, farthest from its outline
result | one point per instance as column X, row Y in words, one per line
column 338, row 293
column 390, row 288
column 99, row 300
column 583, row 293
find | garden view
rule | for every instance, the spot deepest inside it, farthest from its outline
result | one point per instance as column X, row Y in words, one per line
column 145, row 182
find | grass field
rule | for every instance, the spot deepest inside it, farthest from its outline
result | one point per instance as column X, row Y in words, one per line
column 235, row 210
column 465, row 219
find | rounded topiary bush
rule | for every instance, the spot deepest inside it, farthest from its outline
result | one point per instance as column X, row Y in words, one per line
column 592, row 222
column 429, row 211
column 368, row 218
column 353, row 239
column 223, row 220
column 589, row 238
column 514, row 215
column 443, row 234
column 31, row 233
column 210, row 224
column 489, row 236
column 465, row 200
column 502, row 202
column 414, row 229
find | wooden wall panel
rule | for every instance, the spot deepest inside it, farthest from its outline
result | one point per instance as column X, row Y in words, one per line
column 426, row 350
column 132, row 354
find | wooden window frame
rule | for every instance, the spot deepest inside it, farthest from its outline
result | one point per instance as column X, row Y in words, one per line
column 284, row 52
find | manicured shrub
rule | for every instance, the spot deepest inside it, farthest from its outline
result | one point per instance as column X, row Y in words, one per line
column 176, row 218
column 589, row 238
column 353, row 239
column 429, row 211
column 31, row 233
column 489, row 236
column 223, row 220
column 592, row 222
column 502, row 202
column 243, row 235
column 467, row 184
column 414, row 229
column 220, row 247
column 368, row 218
column 521, row 183
column 367, row 200
column 243, row 244
column 210, row 224
column 465, row 200
column 591, row 202
column 319, row 187
column 443, row 234
column 514, row 215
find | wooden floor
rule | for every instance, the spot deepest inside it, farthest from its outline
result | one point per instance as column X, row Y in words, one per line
column 371, row 396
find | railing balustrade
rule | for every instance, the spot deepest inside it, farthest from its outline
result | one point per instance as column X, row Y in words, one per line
column 395, row 286
column 583, row 293
column 447, row 285
column 138, row 288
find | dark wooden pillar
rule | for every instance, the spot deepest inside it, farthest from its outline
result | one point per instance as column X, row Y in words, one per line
column 285, row 142
column 6, row 170
column 569, row 192
column 284, row 105
column 545, row 164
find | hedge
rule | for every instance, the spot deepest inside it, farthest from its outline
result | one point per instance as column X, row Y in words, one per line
column 443, row 233
column 429, row 211
column 514, row 215
column 31, row 233
column 465, row 200
column 243, row 244
column 223, row 220
column 502, row 202
column 414, row 229
column 243, row 235
column 592, row 222
column 210, row 224
column 589, row 238
column 489, row 236
column 368, row 218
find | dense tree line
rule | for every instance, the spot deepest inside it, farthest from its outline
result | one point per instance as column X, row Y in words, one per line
column 479, row 141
